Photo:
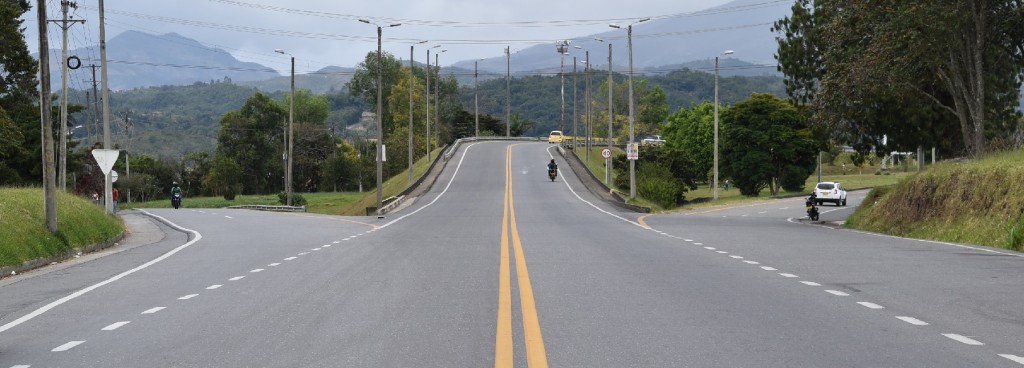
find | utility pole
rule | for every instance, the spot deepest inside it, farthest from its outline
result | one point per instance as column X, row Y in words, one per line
column 95, row 103
column 574, row 135
column 562, row 47
column 49, row 182
column 127, row 146
column 64, row 25
column 107, row 184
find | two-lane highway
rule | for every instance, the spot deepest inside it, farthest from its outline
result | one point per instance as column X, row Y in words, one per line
column 498, row 266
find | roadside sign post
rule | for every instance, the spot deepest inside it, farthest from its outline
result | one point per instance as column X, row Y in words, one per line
column 106, row 158
column 633, row 151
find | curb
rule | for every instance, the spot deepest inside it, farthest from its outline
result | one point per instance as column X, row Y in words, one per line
column 73, row 253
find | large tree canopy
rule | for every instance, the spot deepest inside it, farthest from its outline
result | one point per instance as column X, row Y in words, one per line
column 364, row 82
column 871, row 68
column 766, row 144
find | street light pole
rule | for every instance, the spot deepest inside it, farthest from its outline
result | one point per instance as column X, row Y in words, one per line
column 586, row 100
column 562, row 47
column 611, row 86
column 437, row 99
column 291, row 143
column 574, row 134
column 508, row 92
column 715, row 183
column 380, row 125
column 411, row 125
column 476, row 96
column 632, row 163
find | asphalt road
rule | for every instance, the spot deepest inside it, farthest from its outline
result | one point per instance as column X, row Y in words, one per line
column 498, row 266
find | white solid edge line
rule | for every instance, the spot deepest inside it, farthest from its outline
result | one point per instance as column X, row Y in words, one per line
column 445, row 190
column 871, row 305
column 67, row 346
column 79, row 293
column 153, row 310
column 114, row 326
column 963, row 339
column 912, row 320
column 566, row 182
column 1013, row 358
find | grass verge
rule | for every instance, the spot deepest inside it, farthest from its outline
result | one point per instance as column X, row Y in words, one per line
column 24, row 237
column 979, row 202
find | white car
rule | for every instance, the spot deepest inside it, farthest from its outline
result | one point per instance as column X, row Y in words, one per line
column 828, row 191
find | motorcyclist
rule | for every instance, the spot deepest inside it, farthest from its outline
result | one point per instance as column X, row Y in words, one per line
column 175, row 189
column 552, row 165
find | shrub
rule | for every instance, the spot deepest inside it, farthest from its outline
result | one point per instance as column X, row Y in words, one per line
column 655, row 183
column 297, row 199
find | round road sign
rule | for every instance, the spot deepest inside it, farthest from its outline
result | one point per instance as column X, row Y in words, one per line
column 606, row 153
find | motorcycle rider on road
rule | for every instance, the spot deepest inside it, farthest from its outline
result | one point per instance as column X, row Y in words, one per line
column 175, row 189
column 552, row 165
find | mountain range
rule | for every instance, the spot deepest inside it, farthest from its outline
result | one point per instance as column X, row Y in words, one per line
column 139, row 59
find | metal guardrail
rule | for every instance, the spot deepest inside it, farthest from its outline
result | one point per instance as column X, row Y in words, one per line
column 260, row 207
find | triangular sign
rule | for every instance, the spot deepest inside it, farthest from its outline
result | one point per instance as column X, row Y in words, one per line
column 105, row 158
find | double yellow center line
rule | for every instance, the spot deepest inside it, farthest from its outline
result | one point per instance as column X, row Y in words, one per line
column 536, row 357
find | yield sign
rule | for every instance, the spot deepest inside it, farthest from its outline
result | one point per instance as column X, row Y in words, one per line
column 105, row 158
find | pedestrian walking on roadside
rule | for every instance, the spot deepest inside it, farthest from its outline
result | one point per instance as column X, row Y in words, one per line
column 115, row 195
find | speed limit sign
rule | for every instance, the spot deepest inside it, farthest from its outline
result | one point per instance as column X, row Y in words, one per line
column 606, row 153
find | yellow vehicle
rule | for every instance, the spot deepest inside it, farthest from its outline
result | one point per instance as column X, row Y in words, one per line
column 555, row 136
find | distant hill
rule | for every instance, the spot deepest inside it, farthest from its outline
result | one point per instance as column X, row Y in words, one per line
column 332, row 78
column 138, row 59
column 743, row 26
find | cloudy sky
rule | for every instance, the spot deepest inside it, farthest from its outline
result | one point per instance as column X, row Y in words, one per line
column 322, row 33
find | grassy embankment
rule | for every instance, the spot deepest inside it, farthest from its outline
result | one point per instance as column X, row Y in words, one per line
column 978, row 202
column 24, row 236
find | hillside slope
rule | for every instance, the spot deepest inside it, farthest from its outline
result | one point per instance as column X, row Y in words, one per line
column 977, row 202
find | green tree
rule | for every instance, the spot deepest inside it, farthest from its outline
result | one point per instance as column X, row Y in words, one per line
column 692, row 131
column 253, row 138
column 20, row 144
column 652, row 112
column 963, row 58
column 364, row 83
column 766, row 144
column 225, row 177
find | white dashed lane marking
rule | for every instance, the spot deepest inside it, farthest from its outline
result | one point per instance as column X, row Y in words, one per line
column 752, row 262
column 871, row 305
column 912, row 320
column 114, row 326
column 20, row 366
column 710, row 248
column 788, row 275
column 67, row 346
column 153, row 310
column 290, row 258
column 303, row 253
column 810, row 283
column 256, row 270
column 236, row 278
column 189, row 296
column 228, row 217
column 766, row 268
column 737, row 257
column 722, row 252
column 837, row 293
column 213, row 287
column 963, row 339
column 1013, row 358
column 275, row 264
column 336, row 242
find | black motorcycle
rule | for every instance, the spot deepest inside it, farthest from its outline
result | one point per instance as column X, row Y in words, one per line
column 552, row 173
column 812, row 208
column 176, row 200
